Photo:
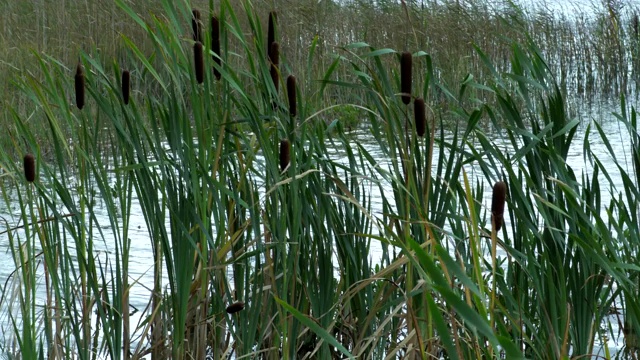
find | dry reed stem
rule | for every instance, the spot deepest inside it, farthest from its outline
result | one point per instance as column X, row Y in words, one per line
column 198, row 58
column 215, row 44
column 79, row 85
column 29, row 168
column 420, row 116
column 291, row 95
column 497, row 204
column 285, row 149
column 405, row 77
column 126, row 86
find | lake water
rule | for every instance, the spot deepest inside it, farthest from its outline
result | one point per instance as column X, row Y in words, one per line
column 141, row 261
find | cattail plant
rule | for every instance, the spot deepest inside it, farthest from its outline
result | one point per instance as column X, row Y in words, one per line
column 126, row 86
column 420, row 118
column 79, row 83
column 497, row 204
column 196, row 25
column 29, row 168
column 274, row 55
column 215, row 44
column 291, row 95
column 235, row 307
column 285, row 149
column 405, row 77
column 198, row 59
column 271, row 32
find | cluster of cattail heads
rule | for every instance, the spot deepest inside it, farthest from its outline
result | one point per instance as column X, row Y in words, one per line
column 196, row 25
column 285, row 148
column 405, row 77
column 420, row 116
column 79, row 84
column 29, row 168
column 291, row 95
column 497, row 204
column 126, row 86
column 215, row 44
column 198, row 60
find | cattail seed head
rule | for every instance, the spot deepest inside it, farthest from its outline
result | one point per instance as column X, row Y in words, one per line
column 215, row 44
column 271, row 32
column 497, row 204
column 235, row 307
column 126, row 86
column 291, row 94
column 274, row 54
column 420, row 117
column 198, row 58
column 285, row 149
column 635, row 24
column 79, row 84
column 196, row 25
column 29, row 167
column 405, row 77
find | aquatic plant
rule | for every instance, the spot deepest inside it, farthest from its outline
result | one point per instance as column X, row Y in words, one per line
column 258, row 247
column 79, row 86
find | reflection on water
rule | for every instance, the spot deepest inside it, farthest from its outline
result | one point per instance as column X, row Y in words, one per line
column 141, row 259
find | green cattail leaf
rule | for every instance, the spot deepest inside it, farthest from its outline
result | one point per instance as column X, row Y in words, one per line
column 321, row 332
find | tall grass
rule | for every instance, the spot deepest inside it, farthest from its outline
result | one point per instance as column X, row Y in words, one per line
column 261, row 237
column 595, row 49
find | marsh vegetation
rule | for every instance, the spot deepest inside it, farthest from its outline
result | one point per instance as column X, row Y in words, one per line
column 218, row 123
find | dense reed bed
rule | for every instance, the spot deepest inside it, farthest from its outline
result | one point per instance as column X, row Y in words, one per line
column 262, row 239
column 595, row 48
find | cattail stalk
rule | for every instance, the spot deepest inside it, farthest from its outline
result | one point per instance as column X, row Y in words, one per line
column 497, row 204
column 29, row 168
column 271, row 33
column 274, row 55
column 196, row 25
column 198, row 58
column 126, row 86
column 405, row 77
column 420, row 117
column 291, row 95
column 285, row 149
column 79, row 84
column 215, row 44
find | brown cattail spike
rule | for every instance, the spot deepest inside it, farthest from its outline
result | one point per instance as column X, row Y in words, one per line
column 271, row 32
column 274, row 54
column 285, row 149
column 235, row 307
column 405, row 77
column 79, row 83
column 291, row 94
column 420, row 117
column 198, row 58
column 497, row 204
column 126, row 86
column 196, row 25
column 29, row 167
column 215, row 44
